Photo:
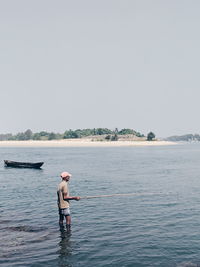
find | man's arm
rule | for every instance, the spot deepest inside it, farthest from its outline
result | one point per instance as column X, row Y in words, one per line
column 66, row 198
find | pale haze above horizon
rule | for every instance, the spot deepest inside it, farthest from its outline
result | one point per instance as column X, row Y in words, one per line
column 106, row 63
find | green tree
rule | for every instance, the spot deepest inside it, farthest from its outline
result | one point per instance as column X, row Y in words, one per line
column 36, row 136
column 139, row 134
column 150, row 136
column 28, row 134
column 114, row 137
column 101, row 131
column 20, row 136
column 44, row 133
column 52, row 136
column 4, row 137
column 70, row 134
column 116, row 131
column 108, row 137
column 126, row 131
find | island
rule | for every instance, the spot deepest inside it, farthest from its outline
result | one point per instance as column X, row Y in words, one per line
column 95, row 137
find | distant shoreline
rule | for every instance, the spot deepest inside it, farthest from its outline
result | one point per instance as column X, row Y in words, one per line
column 82, row 143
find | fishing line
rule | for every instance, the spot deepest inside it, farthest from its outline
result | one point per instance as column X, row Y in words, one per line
column 115, row 195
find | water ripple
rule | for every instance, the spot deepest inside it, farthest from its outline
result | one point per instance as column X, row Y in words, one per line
column 143, row 230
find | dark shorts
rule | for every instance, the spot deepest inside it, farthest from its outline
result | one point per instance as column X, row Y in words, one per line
column 65, row 212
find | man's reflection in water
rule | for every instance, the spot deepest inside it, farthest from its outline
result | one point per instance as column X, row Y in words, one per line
column 65, row 249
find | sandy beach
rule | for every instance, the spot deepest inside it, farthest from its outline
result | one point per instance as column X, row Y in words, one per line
column 82, row 143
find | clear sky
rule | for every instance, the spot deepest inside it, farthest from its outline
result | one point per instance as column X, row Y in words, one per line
column 100, row 63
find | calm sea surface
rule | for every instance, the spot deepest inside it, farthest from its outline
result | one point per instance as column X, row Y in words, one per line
column 160, row 226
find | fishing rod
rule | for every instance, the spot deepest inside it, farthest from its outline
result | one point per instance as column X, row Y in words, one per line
column 115, row 195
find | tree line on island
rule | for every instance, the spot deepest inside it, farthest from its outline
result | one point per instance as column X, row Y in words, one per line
column 103, row 133
column 184, row 138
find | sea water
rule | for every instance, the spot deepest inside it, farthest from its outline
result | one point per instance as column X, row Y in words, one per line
column 159, row 226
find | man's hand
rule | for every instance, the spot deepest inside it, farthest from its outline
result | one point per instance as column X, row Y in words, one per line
column 67, row 198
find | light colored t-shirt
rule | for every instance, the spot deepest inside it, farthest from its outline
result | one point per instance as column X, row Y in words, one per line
column 62, row 188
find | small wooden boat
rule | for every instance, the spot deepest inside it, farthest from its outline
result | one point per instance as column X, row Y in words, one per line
column 16, row 164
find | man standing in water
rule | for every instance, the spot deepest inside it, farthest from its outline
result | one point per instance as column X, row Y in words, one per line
column 63, row 200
